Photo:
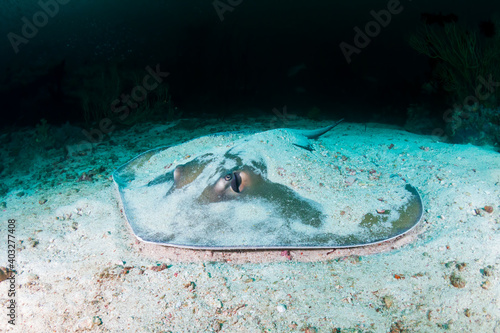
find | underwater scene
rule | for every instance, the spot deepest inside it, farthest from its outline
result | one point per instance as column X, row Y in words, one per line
column 250, row 166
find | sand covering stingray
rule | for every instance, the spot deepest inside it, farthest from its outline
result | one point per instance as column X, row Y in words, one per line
column 262, row 190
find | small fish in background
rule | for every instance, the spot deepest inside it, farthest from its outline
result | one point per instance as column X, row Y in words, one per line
column 314, row 113
column 429, row 88
column 439, row 19
column 371, row 79
column 300, row 90
column 296, row 69
column 487, row 28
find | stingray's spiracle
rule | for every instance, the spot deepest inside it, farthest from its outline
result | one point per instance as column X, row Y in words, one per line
column 236, row 182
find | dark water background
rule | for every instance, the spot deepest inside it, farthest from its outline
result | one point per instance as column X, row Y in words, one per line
column 223, row 57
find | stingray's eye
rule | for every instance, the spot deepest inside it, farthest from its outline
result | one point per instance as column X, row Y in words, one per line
column 228, row 177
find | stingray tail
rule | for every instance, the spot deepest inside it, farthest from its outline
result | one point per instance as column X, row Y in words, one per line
column 314, row 134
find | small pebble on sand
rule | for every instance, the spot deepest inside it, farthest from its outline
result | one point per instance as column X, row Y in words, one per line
column 388, row 301
column 457, row 281
column 281, row 308
column 486, row 284
column 487, row 271
column 5, row 273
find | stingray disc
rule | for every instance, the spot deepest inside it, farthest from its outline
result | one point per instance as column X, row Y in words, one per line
column 182, row 196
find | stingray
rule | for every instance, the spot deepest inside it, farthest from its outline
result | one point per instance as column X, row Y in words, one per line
column 266, row 190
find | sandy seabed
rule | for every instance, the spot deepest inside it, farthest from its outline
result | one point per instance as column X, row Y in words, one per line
column 80, row 268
